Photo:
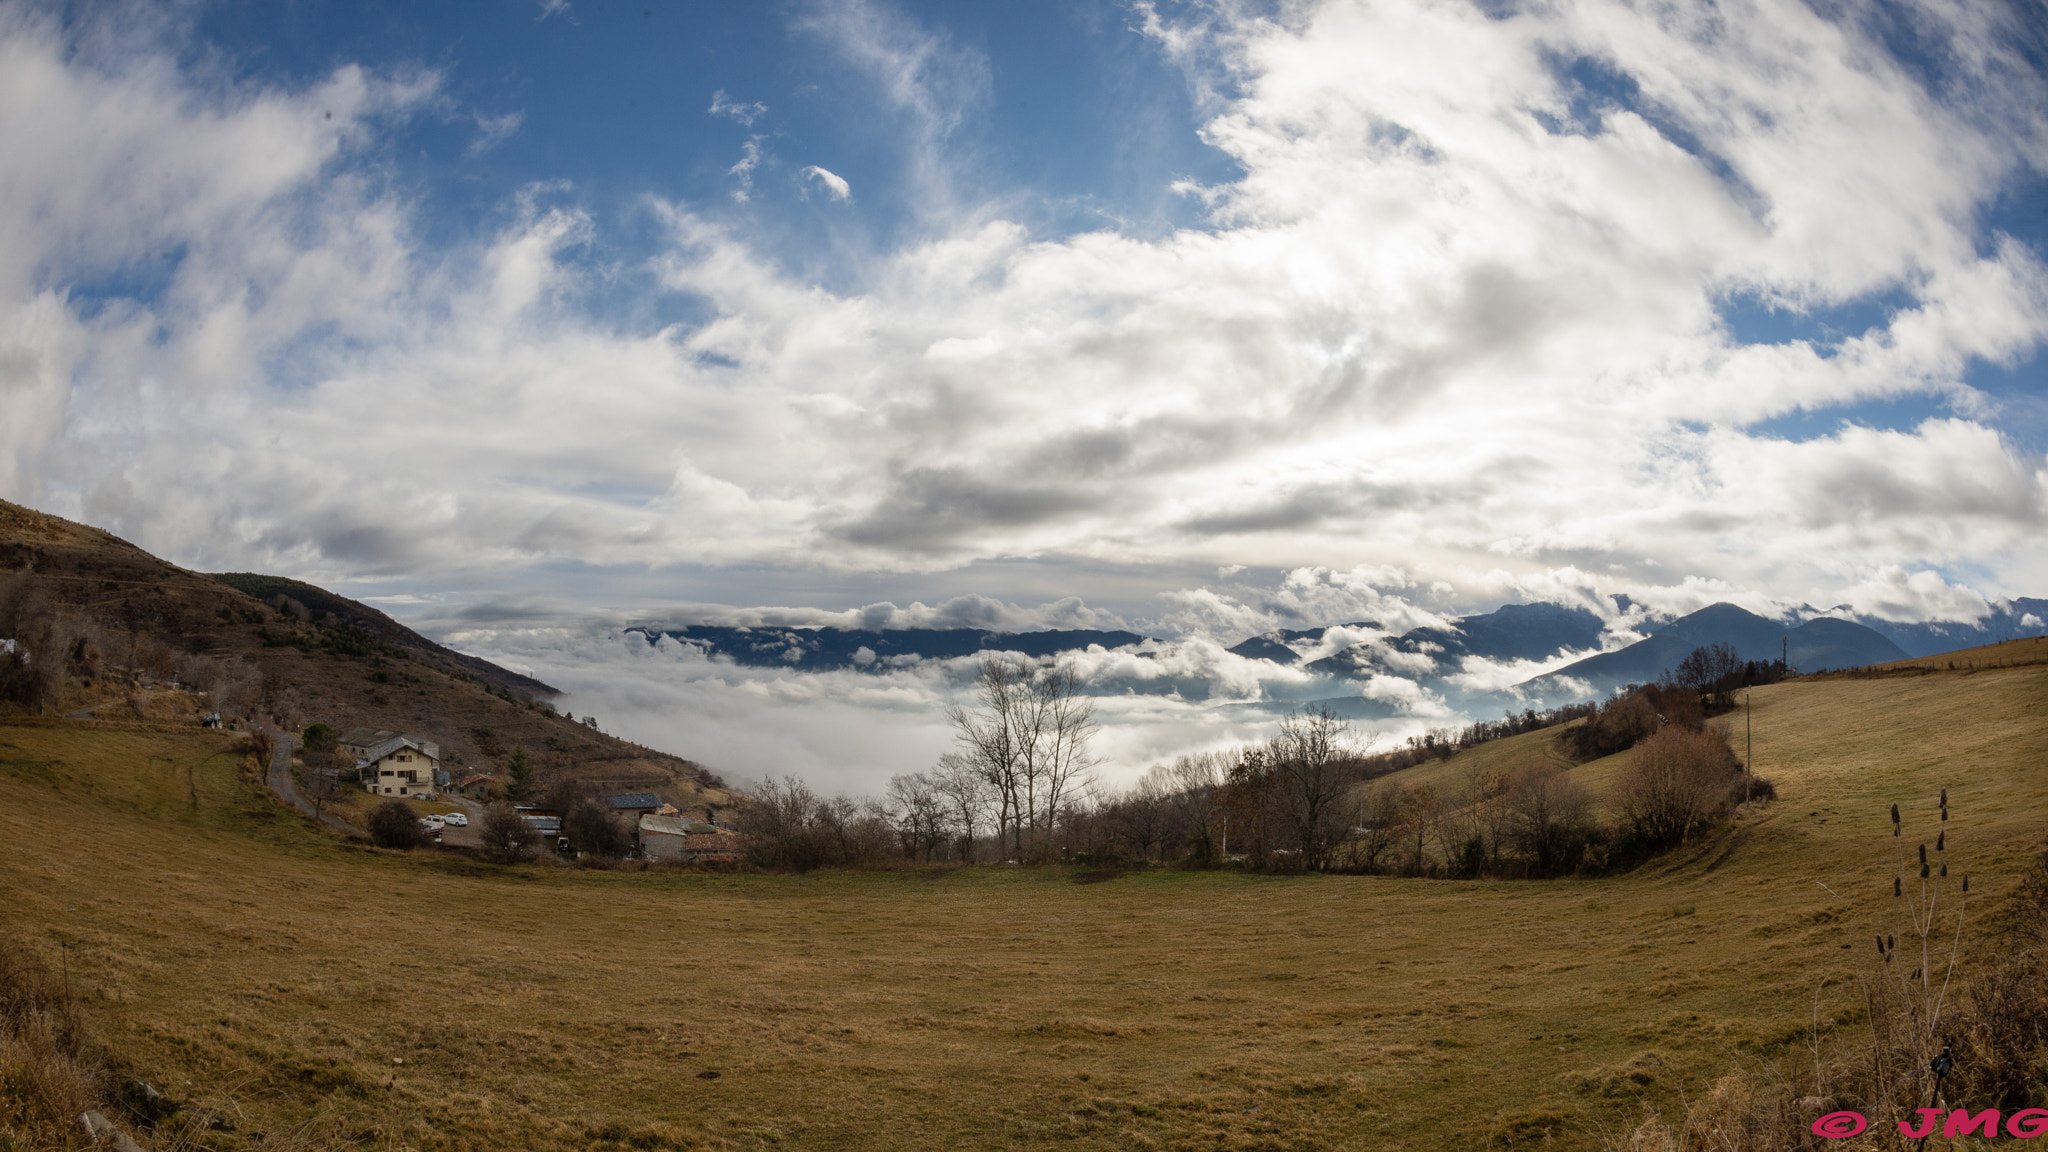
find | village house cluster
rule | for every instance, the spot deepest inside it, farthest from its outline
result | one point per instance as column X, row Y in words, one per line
column 661, row 831
column 404, row 766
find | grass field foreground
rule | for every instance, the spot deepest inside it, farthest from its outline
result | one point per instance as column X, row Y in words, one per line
column 307, row 990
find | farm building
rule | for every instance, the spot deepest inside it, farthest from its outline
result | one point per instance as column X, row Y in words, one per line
column 677, row 838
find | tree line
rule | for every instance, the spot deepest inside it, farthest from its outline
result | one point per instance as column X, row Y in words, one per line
column 1020, row 788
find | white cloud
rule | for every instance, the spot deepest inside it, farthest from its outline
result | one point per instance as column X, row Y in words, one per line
column 746, row 112
column 833, row 184
column 921, row 77
column 493, row 131
column 1429, row 332
column 1457, row 335
column 743, row 171
column 1892, row 593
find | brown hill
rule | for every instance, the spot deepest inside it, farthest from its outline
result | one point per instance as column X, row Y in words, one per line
column 2025, row 652
column 103, row 628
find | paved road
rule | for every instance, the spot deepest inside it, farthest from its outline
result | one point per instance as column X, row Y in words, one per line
column 462, row 837
column 281, row 783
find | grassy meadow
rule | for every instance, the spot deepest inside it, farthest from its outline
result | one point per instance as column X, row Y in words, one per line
column 311, row 993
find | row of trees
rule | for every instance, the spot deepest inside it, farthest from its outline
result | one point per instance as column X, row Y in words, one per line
column 1297, row 802
column 1715, row 673
column 1313, row 797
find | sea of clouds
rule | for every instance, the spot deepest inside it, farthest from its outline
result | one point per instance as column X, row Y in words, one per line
column 1179, row 691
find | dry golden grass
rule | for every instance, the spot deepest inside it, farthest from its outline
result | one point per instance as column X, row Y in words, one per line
column 2005, row 654
column 344, row 995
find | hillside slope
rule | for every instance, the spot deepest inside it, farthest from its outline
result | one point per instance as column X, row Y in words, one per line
column 134, row 624
column 371, row 999
column 1814, row 645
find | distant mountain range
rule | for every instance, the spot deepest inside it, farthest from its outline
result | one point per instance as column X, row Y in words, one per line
column 1811, row 641
column 1428, row 656
column 2009, row 620
column 1513, row 632
column 819, row 649
column 1824, row 642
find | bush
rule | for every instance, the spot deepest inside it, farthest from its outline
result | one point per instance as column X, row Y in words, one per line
column 320, row 739
column 592, row 828
column 1675, row 781
column 507, row 837
column 1549, row 818
column 394, row 825
column 1629, row 718
column 50, row 1068
column 1746, row 789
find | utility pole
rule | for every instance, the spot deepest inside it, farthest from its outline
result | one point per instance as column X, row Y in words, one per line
column 1748, row 751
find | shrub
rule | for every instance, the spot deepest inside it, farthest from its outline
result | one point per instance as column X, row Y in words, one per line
column 264, row 745
column 319, row 739
column 592, row 828
column 1747, row 789
column 50, row 1068
column 1675, row 781
column 1629, row 718
column 393, row 825
column 507, row 837
column 1549, row 817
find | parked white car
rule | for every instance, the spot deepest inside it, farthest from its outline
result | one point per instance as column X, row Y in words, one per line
column 456, row 819
column 431, row 823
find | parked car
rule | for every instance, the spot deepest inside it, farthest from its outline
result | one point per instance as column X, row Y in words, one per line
column 457, row 819
column 431, row 823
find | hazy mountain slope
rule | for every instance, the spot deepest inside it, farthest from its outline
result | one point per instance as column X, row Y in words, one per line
column 1511, row 632
column 1821, row 643
column 141, row 618
column 2009, row 620
column 344, row 611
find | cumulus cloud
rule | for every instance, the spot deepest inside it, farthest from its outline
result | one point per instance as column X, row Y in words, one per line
column 970, row 611
column 746, row 112
column 1460, row 332
column 1892, row 593
column 832, row 183
column 1457, row 314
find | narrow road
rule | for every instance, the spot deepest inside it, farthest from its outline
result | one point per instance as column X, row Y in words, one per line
column 281, row 783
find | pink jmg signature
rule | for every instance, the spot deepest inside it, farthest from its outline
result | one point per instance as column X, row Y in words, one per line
column 2025, row 1124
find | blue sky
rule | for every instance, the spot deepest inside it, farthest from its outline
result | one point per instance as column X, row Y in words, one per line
column 1067, row 116
column 534, row 321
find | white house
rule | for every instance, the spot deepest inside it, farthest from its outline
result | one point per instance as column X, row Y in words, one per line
column 400, row 766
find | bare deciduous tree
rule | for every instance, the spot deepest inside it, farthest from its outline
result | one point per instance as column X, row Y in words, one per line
column 1548, row 817
column 1028, row 735
column 1375, row 819
column 1193, row 785
column 1314, row 763
column 917, row 809
column 968, row 795
column 506, row 836
column 1673, row 782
